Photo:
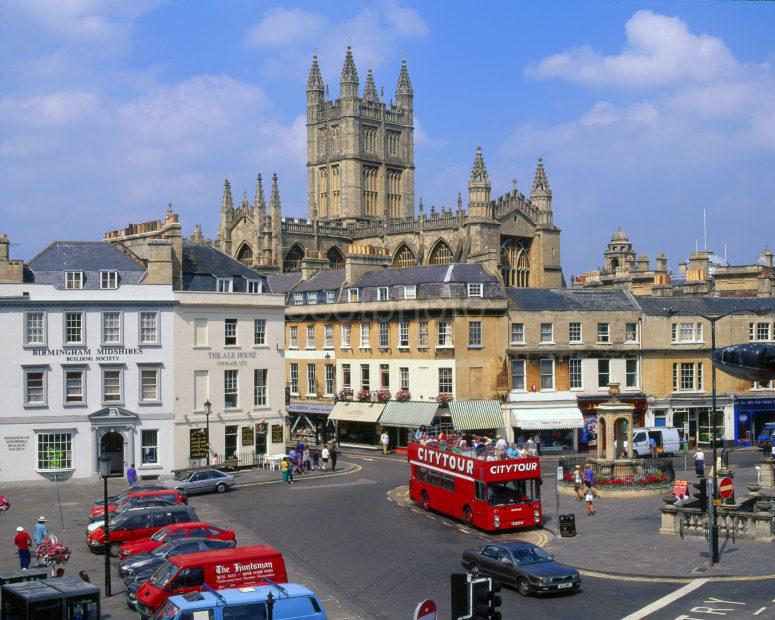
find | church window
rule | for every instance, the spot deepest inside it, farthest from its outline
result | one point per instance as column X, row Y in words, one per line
column 394, row 193
column 245, row 255
column 335, row 258
column 293, row 259
column 336, row 138
column 336, row 191
column 404, row 258
column 515, row 264
column 441, row 254
column 370, row 192
column 370, row 139
column 323, row 190
column 393, row 140
column 322, row 141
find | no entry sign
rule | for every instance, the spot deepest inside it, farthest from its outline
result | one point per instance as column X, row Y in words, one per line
column 725, row 488
column 426, row 610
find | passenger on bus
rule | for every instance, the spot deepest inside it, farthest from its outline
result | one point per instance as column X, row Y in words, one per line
column 512, row 451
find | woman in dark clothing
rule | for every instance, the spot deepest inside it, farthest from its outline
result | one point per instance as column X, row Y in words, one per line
column 334, row 453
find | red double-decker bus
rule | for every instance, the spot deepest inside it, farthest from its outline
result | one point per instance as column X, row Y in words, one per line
column 488, row 494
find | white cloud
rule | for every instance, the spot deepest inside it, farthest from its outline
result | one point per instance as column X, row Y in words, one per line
column 423, row 140
column 282, row 27
column 660, row 50
column 57, row 108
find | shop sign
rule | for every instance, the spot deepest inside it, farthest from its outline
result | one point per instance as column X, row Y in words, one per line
column 232, row 358
column 310, row 408
column 88, row 354
column 247, row 436
column 277, row 433
column 197, row 438
column 757, row 403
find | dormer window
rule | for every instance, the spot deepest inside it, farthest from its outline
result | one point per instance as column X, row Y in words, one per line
column 352, row 295
column 312, row 297
column 225, row 285
column 254, row 286
column 331, row 297
column 73, row 279
column 382, row 293
column 410, row 292
column 108, row 279
column 475, row 289
column 298, row 299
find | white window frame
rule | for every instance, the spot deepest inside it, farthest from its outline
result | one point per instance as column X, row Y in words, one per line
column 293, row 337
column 627, row 332
column 260, row 391
column 604, row 333
column 150, row 445
column 687, row 332
column 353, row 295
column 293, row 378
column 43, row 331
column 330, row 297
column 384, row 335
column 74, row 343
column 310, row 337
column 347, row 374
column 141, row 330
column 312, row 380
column 254, row 287
column 473, row 341
column 410, row 292
column 475, row 289
column 542, row 333
column 628, row 374
column 423, row 335
column 403, row 334
column 44, row 387
column 120, row 340
column 72, row 282
column 760, row 331
column 522, row 364
column 230, row 329
column 156, row 370
column 541, row 375
column 383, row 293
column 697, row 377
column 365, row 377
column 67, row 463
column 103, row 394
column 312, row 297
column 109, row 280
column 580, row 338
column 599, row 386
column 451, row 383
column 364, row 336
column 329, row 379
column 517, row 329
column 328, row 336
column 444, row 335
column 297, row 299
column 80, row 370
column 230, row 386
column 346, row 336
column 579, row 374
column 403, row 378
column 259, row 332
column 224, row 285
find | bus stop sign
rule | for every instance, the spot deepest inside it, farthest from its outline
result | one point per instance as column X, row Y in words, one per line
column 726, row 488
column 426, row 610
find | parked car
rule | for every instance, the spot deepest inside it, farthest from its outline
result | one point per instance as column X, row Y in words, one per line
column 292, row 601
column 667, row 438
column 138, row 524
column 143, row 565
column 142, row 505
column 132, row 500
column 767, row 436
column 176, row 531
column 112, row 499
column 192, row 481
column 523, row 565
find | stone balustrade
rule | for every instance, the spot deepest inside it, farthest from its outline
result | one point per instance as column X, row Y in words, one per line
column 752, row 519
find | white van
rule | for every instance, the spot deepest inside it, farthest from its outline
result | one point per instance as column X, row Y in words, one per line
column 667, row 438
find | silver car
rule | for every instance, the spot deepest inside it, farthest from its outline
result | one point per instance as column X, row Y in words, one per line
column 193, row 481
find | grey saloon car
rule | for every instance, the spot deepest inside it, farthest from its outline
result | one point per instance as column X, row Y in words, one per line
column 192, row 481
column 523, row 565
column 143, row 565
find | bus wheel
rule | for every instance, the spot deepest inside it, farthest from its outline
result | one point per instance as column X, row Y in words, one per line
column 426, row 501
column 468, row 516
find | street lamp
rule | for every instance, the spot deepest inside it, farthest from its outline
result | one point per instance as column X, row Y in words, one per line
column 208, row 411
column 104, row 469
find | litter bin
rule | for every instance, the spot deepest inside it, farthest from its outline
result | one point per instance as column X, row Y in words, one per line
column 568, row 525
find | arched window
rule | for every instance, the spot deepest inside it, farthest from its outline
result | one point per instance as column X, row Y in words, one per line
column 614, row 263
column 245, row 255
column 441, row 254
column 335, row 258
column 515, row 264
column 293, row 259
column 404, row 257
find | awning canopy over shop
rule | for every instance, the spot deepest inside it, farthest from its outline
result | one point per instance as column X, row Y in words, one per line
column 473, row 415
column 547, row 418
column 408, row 414
column 356, row 412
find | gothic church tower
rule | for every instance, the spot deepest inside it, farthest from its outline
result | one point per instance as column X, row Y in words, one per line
column 360, row 150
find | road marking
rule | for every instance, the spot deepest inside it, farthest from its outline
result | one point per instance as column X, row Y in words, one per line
column 758, row 611
column 355, row 470
column 666, row 600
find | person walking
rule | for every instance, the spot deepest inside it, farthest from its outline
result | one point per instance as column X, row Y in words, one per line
column 305, row 464
column 40, row 532
column 699, row 462
column 589, row 480
column 590, row 498
column 324, row 457
column 23, row 543
column 384, row 440
column 131, row 475
column 284, row 470
column 333, row 453
column 537, row 442
column 577, row 482
column 653, row 447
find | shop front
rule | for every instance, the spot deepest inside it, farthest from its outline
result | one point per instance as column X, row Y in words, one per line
column 553, row 417
column 751, row 413
column 587, row 405
column 310, row 422
column 399, row 418
column 356, row 423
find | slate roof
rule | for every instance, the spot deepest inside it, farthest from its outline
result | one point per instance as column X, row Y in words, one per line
column 460, row 273
column 705, row 305
column 569, row 299
column 324, row 280
column 283, row 282
column 204, row 259
column 82, row 256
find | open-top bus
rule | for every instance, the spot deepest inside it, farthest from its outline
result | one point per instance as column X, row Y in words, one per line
column 488, row 494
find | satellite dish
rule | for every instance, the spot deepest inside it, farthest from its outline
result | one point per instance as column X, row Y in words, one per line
column 752, row 362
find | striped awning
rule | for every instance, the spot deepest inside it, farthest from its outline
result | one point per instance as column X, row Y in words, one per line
column 408, row 414
column 547, row 418
column 472, row 415
column 355, row 411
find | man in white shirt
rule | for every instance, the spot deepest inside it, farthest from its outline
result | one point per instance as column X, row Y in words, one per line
column 384, row 440
column 500, row 443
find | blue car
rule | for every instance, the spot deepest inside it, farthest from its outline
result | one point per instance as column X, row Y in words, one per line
column 290, row 601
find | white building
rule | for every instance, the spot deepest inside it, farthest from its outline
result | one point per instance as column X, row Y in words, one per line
column 85, row 364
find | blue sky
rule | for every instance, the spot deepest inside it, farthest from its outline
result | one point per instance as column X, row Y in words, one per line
column 645, row 113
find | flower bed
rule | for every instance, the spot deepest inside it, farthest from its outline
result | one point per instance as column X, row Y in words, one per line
column 638, row 481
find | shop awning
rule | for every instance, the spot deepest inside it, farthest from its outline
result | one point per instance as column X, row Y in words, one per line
column 547, row 418
column 356, row 412
column 408, row 414
column 472, row 415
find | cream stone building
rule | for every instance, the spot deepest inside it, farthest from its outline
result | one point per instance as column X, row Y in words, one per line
column 360, row 190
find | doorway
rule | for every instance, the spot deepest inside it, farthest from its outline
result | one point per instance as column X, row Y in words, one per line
column 112, row 444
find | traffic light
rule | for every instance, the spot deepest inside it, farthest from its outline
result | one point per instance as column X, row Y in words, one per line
column 460, row 595
column 484, row 599
column 702, row 494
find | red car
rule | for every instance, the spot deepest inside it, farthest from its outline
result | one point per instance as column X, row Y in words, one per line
column 173, row 496
column 195, row 529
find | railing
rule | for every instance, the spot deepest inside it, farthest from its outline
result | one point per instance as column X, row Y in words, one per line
column 752, row 518
column 634, row 473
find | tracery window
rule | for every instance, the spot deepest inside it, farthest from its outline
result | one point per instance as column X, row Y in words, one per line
column 323, row 190
column 370, row 139
column 394, row 193
column 441, row 254
column 515, row 264
column 245, row 255
column 370, row 192
column 393, row 140
column 322, row 141
column 336, row 190
column 335, row 258
column 403, row 258
column 293, row 259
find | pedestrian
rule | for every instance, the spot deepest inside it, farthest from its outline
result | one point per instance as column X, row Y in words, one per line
column 292, row 457
column 333, row 453
column 284, row 470
column 60, row 572
column 653, row 447
column 699, row 462
column 589, row 480
column 590, row 503
column 40, row 532
column 577, row 482
column 537, row 442
column 384, row 439
column 316, row 459
column 131, row 475
column 305, row 465
column 324, row 455
column 23, row 543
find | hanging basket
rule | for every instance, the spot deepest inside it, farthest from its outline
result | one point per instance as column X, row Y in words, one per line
column 5, row 503
column 51, row 551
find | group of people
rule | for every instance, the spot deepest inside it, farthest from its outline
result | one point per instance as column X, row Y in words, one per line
column 24, row 542
column 585, row 479
column 301, row 459
column 479, row 446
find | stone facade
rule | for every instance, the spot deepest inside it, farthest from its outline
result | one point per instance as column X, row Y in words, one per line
column 360, row 172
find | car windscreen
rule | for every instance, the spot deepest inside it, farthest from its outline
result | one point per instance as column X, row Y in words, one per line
column 168, row 610
column 161, row 534
column 161, row 551
column 512, row 492
column 531, row 555
column 164, row 573
column 183, row 475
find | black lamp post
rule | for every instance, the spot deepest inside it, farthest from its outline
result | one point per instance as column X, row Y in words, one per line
column 104, row 469
column 208, row 411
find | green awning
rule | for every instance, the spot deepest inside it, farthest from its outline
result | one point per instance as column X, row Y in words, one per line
column 472, row 415
column 408, row 414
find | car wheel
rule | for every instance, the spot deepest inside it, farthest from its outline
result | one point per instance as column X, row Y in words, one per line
column 113, row 549
column 426, row 501
column 474, row 569
column 468, row 516
column 522, row 587
column 221, row 488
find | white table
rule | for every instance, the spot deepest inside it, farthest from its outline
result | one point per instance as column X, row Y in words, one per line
column 274, row 460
